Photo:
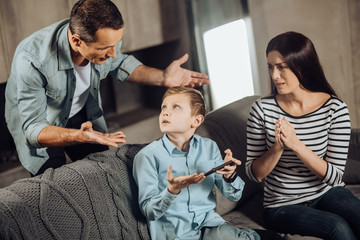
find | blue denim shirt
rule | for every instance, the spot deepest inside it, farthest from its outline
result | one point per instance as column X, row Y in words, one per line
column 41, row 87
column 181, row 216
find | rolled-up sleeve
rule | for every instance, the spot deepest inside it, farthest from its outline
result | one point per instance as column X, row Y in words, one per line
column 31, row 102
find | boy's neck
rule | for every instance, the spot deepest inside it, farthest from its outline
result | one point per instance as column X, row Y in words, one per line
column 181, row 141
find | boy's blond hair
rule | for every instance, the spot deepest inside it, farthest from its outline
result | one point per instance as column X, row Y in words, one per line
column 197, row 102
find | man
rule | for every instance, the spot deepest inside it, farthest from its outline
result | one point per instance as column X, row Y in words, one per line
column 52, row 95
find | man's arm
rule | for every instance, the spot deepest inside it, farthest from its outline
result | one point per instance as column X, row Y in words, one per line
column 173, row 75
column 53, row 136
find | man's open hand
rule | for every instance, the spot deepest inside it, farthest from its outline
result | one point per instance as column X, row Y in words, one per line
column 175, row 75
column 109, row 139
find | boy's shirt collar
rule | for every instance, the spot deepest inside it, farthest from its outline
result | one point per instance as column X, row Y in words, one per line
column 174, row 151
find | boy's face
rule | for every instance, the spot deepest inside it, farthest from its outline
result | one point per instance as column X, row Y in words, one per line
column 176, row 117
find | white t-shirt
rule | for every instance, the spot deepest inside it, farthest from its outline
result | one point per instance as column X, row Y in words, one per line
column 83, row 76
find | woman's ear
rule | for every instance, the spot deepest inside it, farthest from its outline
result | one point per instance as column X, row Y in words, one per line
column 199, row 119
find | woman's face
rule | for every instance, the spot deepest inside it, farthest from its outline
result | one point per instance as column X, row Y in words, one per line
column 284, row 79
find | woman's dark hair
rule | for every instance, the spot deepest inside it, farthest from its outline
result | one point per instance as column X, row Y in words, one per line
column 301, row 57
column 88, row 16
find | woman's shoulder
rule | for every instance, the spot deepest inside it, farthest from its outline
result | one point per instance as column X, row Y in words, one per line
column 335, row 103
column 268, row 102
column 336, row 110
column 336, row 100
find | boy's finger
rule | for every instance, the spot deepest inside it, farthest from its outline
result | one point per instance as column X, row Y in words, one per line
column 236, row 161
column 200, row 177
column 169, row 173
column 228, row 152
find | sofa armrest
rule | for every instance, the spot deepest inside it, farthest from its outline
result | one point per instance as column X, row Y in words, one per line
column 352, row 168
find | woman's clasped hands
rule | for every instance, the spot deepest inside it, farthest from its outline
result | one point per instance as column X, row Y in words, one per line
column 285, row 134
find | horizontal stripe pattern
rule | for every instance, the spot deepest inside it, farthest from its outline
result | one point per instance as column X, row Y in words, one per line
column 325, row 131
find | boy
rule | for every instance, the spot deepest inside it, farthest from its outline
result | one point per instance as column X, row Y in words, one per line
column 177, row 201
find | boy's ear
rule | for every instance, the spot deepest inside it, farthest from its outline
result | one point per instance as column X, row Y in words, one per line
column 199, row 119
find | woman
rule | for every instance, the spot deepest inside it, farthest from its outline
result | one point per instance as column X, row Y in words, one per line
column 297, row 142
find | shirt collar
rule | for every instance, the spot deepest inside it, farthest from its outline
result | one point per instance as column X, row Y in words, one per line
column 64, row 53
column 173, row 150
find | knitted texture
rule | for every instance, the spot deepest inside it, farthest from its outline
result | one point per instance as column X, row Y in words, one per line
column 93, row 198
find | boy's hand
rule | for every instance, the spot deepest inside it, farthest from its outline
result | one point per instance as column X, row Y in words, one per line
column 228, row 170
column 177, row 183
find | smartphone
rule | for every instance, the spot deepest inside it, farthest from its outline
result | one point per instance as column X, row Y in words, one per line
column 218, row 167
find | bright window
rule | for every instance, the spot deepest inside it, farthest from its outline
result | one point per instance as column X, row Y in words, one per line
column 228, row 59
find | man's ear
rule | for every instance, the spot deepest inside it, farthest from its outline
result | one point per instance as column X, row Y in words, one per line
column 75, row 38
column 199, row 119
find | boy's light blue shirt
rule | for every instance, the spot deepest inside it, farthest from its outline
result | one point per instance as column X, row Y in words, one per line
column 41, row 87
column 181, row 216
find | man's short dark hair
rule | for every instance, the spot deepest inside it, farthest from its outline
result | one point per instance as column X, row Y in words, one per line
column 88, row 16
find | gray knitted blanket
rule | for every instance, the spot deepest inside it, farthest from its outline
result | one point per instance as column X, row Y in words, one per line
column 93, row 198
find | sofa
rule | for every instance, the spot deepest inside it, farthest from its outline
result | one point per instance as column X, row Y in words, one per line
column 96, row 197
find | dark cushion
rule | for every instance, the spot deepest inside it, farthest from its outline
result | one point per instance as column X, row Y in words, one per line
column 227, row 127
column 352, row 168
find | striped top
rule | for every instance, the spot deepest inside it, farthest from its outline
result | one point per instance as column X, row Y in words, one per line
column 326, row 131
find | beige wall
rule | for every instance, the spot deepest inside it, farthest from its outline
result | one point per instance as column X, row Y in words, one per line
column 354, row 6
column 333, row 26
column 330, row 24
column 147, row 23
column 20, row 18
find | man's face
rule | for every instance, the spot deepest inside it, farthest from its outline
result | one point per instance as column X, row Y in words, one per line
column 98, row 52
